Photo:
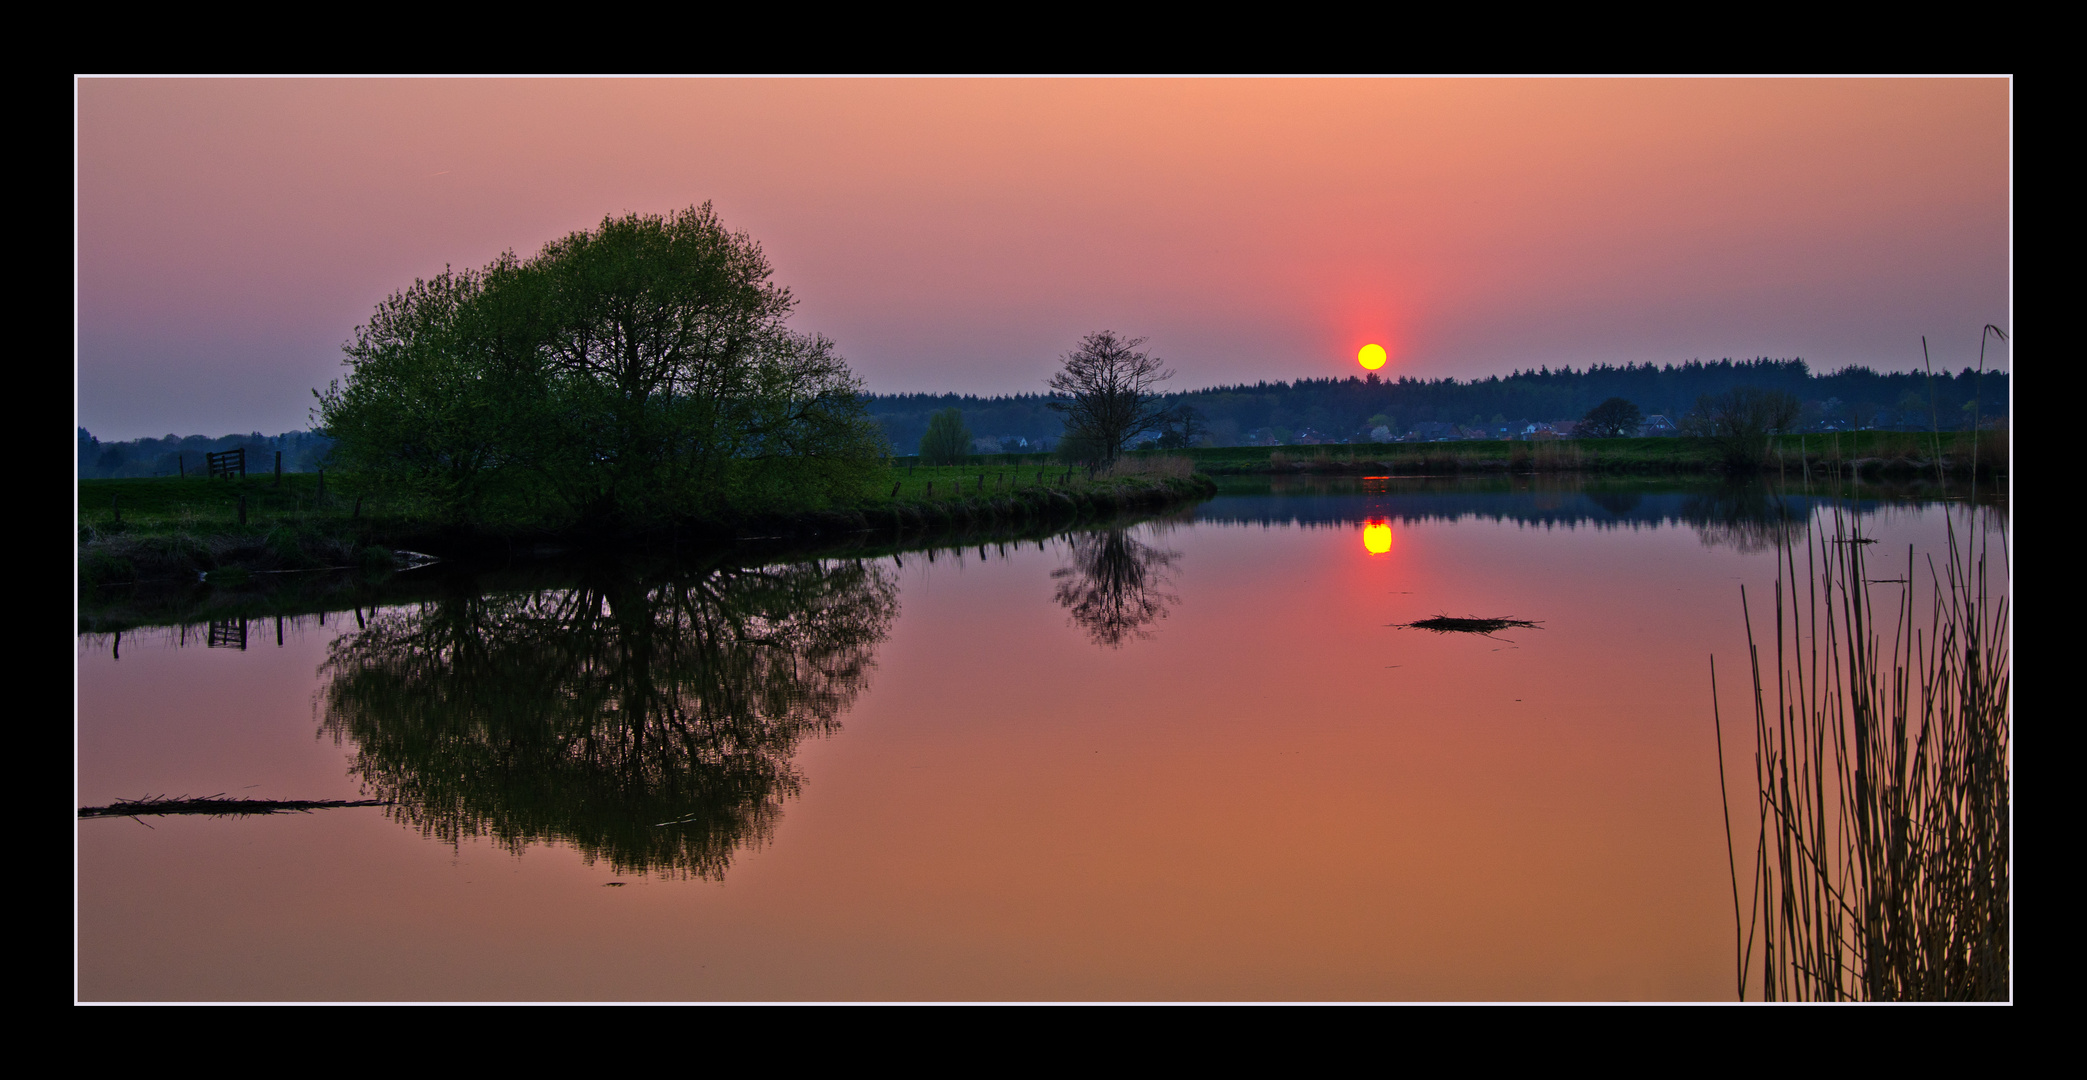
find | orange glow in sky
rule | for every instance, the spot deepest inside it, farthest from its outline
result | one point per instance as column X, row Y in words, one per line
column 956, row 235
column 1371, row 356
column 1376, row 536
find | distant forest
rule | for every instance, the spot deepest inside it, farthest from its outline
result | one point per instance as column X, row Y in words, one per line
column 303, row 451
column 1337, row 410
column 1316, row 410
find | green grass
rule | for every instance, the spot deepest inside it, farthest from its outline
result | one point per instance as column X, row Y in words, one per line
column 173, row 504
column 994, row 477
column 175, row 528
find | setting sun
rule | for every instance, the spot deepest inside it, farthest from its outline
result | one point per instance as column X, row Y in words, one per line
column 1371, row 356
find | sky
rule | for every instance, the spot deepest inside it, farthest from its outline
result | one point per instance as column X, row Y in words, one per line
column 960, row 235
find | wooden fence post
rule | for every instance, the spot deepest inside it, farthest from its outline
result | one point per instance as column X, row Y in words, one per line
column 278, row 468
column 118, row 507
column 242, row 509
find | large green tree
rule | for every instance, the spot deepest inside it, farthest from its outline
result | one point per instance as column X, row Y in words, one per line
column 640, row 370
column 442, row 380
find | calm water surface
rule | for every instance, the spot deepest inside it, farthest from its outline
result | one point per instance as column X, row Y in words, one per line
column 1188, row 759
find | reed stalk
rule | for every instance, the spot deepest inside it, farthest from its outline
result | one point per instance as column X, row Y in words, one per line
column 1881, row 872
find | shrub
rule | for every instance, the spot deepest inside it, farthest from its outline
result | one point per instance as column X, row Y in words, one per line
column 1740, row 421
column 948, row 441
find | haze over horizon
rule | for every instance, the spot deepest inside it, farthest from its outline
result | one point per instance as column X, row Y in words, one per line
column 959, row 235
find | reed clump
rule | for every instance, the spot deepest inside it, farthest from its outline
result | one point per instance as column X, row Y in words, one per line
column 1882, row 773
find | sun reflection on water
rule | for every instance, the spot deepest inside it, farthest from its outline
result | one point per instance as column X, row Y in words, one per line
column 1376, row 536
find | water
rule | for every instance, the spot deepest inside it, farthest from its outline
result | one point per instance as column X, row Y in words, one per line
column 1193, row 758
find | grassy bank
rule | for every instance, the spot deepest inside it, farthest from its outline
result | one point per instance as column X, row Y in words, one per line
column 185, row 529
column 258, row 605
column 172, row 526
column 1867, row 453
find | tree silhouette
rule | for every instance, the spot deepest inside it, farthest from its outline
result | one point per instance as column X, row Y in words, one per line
column 1612, row 419
column 1111, row 387
column 1741, row 420
column 948, row 441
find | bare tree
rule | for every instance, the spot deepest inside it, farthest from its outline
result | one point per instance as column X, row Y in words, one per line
column 1111, row 387
column 1740, row 422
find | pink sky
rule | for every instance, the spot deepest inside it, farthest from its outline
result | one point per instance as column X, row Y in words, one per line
column 959, row 235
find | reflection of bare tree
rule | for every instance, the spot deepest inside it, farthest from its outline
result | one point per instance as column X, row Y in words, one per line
column 1115, row 586
column 1619, row 503
column 1748, row 518
column 649, row 724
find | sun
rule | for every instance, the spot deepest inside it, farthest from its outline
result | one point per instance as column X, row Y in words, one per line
column 1371, row 356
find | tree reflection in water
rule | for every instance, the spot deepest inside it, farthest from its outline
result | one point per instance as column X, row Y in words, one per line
column 1115, row 586
column 1748, row 518
column 648, row 724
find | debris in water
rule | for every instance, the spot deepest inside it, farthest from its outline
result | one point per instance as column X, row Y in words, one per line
column 220, row 806
column 1444, row 624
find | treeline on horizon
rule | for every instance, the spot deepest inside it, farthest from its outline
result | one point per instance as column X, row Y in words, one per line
column 1851, row 398
column 171, row 455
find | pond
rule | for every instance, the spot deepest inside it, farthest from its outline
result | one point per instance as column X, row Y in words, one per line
column 1186, row 758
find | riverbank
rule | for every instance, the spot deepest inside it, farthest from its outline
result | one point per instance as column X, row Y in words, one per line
column 243, row 605
column 226, row 531
column 1868, row 454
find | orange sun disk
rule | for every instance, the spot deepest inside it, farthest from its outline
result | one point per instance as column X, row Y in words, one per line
column 1371, row 356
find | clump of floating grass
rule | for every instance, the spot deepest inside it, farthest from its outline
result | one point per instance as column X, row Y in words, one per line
column 219, row 806
column 1882, row 871
column 1446, row 624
